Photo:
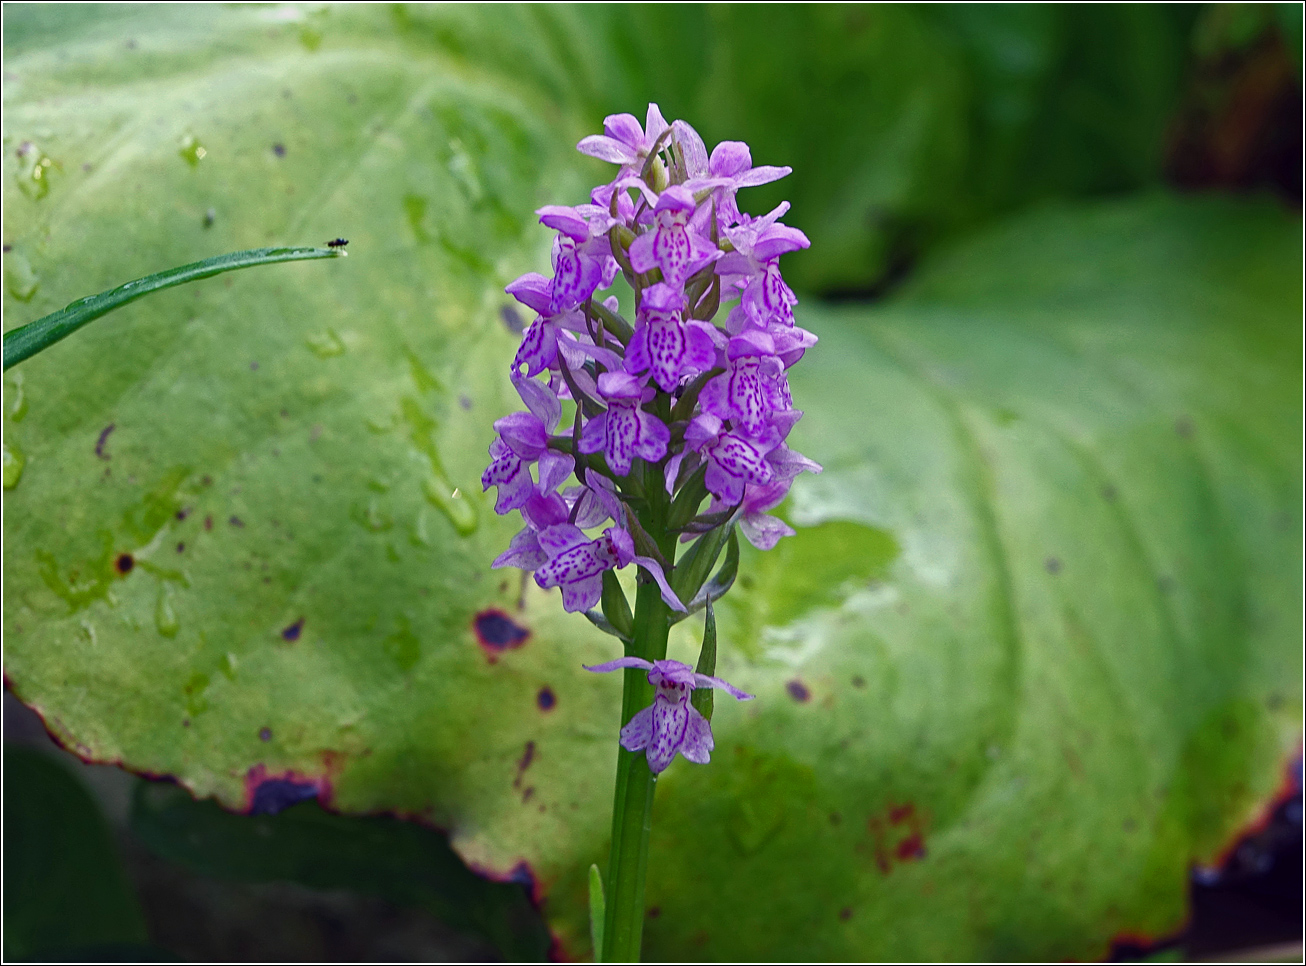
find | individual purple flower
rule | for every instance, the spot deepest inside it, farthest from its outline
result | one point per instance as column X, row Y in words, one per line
column 625, row 430
column 752, row 388
column 733, row 460
column 672, row 246
column 623, row 141
column 576, row 564
column 671, row 724
column 728, row 169
column 665, row 345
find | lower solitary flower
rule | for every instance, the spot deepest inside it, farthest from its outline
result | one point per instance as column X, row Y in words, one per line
column 671, row 724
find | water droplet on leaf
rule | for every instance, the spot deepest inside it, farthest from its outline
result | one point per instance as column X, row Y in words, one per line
column 18, row 399
column 14, row 461
column 450, row 501
column 20, row 279
column 192, row 151
column 325, row 345
column 34, row 169
column 165, row 618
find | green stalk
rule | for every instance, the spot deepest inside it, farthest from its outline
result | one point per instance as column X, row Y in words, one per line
column 632, row 810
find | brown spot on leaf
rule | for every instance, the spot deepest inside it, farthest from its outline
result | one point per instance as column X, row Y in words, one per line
column 528, row 756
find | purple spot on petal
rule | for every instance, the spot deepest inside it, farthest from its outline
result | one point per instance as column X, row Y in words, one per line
column 798, row 690
column 292, row 632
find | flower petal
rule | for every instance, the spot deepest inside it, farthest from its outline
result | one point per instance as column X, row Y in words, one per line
column 655, row 569
column 670, row 721
column 698, row 744
column 618, row 664
column 706, row 681
column 638, row 731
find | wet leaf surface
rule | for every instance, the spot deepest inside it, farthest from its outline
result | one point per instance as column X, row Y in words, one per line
column 1043, row 606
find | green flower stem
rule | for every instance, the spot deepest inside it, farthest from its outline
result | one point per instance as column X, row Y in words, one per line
column 632, row 810
column 26, row 341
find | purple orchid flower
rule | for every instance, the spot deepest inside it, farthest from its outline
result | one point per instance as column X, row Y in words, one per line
column 754, row 386
column 672, row 246
column 729, row 168
column 576, row 564
column 665, row 345
column 625, row 430
column 623, row 141
column 671, row 725
column 733, row 460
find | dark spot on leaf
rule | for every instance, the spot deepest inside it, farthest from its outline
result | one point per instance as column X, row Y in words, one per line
column 528, row 756
column 206, row 480
column 859, row 681
column 269, row 794
column 279, row 150
column 253, row 367
column 512, row 319
column 183, row 513
column 265, row 734
column 912, row 847
column 210, row 217
column 835, row 818
column 498, row 632
column 1109, row 493
column 1052, row 565
column 185, row 722
column 527, row 793
column 8, row 249
column 654, row 912
column 522, row 875
column 465, row 402
column 292, row 632
column 1165, row 584
column 124, row 563
column 900, row 813
column 208, row 523
column 236, row 521
column 104, row 438
column 798, row 690
column 1183, row 426
column 181, row 548
column 846, row 913
column 546, row 699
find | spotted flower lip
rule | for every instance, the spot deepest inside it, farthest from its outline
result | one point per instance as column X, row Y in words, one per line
column 671, row 725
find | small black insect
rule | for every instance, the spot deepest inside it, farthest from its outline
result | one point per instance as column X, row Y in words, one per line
column 338, row 243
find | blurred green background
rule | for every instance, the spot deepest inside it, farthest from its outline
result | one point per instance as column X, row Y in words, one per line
column 1035, row 229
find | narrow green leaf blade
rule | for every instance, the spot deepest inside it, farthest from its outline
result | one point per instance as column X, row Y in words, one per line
column 598, row 909
column 26, row 341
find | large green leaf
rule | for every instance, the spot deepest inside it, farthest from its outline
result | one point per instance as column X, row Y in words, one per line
column 1042, row 608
